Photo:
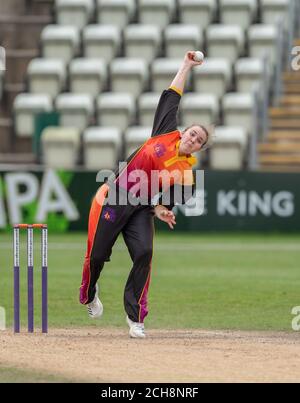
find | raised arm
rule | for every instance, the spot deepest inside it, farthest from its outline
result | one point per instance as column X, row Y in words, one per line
column 164, row 122
column 179, row 80
column 165, row 119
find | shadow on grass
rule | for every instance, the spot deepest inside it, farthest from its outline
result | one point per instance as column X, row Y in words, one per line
column 15, row 375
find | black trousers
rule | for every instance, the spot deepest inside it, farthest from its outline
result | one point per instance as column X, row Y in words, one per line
column 106, row 222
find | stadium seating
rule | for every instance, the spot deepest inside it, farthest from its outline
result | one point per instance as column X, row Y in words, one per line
column 158, row 12
column 116, row 12
column 115, row 109
column 225, row 41
column 76, row 110
column 162, row 73
column 102, row 147
column 229, row 148
column 129, row 75
column 134, row 137
column 74, row 12
column 263, row 40
column 25, row 107
column 61, row 42
column 147, row 104
column 238, row 110
column 199, row 108
column 274, row 10
column 101, row 41
column 181, row 38
column 88, row 76
column 143, row 41
column 106, row 62
column 198, row 12
column 60, row 147
column 46, row 76
column 238, row 12
column 214, row 76
column 248, row 72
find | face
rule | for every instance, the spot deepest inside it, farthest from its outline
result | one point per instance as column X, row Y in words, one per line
column 192, row 140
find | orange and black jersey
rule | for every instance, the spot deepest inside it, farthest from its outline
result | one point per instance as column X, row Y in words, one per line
column 160, row 153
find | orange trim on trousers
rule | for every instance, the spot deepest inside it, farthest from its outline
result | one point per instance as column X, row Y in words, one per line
column 94, row 217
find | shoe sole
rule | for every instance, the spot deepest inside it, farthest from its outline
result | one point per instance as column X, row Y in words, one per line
column 133, row 336
column 137, row 337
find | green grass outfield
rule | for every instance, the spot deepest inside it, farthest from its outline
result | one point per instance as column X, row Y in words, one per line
column 248, row 282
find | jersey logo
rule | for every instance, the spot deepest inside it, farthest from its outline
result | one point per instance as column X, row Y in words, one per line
column 160, row 150
column 109, row 214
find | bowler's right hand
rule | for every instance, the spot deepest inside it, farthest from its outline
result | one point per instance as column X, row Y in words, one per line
column 189, row 59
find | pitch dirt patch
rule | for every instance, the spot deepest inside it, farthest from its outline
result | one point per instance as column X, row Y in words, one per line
column 108, row 355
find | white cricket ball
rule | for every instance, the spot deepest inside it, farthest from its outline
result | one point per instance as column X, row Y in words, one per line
column 199, row 56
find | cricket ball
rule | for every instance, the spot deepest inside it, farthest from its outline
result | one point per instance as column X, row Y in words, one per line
column 199, row 56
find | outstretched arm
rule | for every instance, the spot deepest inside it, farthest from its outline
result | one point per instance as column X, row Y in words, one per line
column 179, row 80
column 165, row 119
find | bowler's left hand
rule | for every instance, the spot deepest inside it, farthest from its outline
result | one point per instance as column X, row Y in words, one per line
column 165, row 215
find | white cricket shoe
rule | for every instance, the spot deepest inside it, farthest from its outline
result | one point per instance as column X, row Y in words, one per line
column 95, row 308
column 136, row 330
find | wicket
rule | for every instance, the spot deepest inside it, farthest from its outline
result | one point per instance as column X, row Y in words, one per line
column 30, row 267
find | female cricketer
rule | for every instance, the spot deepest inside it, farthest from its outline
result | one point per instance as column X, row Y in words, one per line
column 169, row 150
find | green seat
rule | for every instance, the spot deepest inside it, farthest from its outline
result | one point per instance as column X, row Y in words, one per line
column 43, row 120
